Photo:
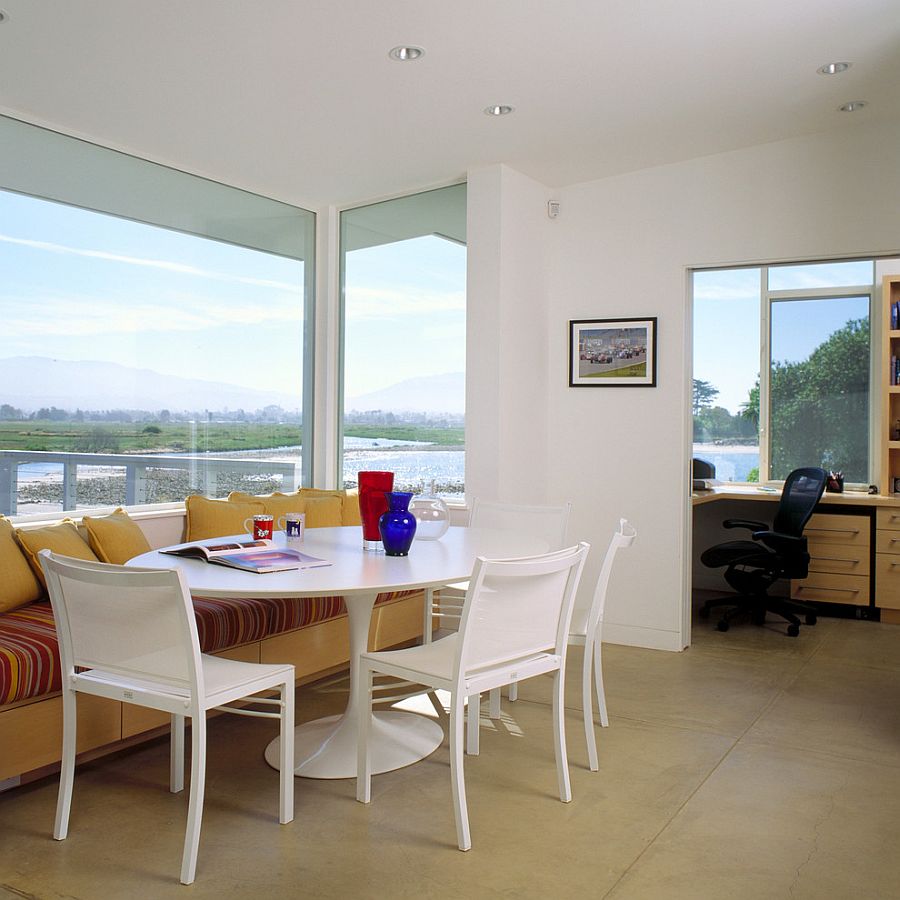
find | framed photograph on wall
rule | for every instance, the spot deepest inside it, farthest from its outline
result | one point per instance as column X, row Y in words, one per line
column 612, row 353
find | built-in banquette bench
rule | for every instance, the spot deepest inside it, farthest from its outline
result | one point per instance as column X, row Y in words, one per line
column 311, row 633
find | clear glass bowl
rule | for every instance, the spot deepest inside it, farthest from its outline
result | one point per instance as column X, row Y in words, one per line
column 432, row 517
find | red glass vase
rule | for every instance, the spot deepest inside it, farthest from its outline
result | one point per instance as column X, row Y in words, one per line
column 373, row 490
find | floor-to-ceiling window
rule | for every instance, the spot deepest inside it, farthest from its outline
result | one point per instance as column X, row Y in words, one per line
column 403, row 280
column 153, row 331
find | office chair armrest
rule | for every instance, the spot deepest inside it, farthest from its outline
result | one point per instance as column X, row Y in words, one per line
column 781, row 543
column 745, row 523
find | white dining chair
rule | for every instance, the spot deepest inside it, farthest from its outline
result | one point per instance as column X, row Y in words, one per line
column 129, row 634
column 547, row 522
column 586, row 628
column 514, row 624
column 585, row 621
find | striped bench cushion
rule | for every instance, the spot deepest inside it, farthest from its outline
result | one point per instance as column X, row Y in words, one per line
column 289, row 613
column 29, row 650
column 29, row 653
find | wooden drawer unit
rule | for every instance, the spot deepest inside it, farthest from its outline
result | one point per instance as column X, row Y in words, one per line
column 840, row 560
column 888, row 517
column 822, row 587
column 833, row 528
column 887, row 580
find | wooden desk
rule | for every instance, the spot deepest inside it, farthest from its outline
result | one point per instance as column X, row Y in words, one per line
column 854, row 547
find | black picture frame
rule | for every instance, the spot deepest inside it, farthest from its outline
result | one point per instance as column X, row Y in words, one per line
column 612, row 352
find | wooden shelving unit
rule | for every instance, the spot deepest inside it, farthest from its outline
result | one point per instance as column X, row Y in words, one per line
column 890, row 405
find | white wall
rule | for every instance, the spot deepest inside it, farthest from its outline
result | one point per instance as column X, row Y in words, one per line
column 621, row 247
column 507, row 400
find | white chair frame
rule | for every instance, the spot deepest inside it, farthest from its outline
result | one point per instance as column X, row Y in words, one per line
column 486, row 653
column 588, row 622
column 133, row 634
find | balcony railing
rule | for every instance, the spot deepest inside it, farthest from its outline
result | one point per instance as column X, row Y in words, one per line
column 203, row 474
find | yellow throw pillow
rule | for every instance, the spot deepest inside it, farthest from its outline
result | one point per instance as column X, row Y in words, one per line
column 62, row 538
column 349, row 503
column 19, row 587
column 217, row 518
column 115, row 538
column 323, row 509
column 276, row 505
column 323, row 512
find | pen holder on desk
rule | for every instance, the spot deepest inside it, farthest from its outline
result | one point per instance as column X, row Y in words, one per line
column 835, row 483
column 373, row 487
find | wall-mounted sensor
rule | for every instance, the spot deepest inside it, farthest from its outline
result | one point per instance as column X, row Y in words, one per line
column 553, row 209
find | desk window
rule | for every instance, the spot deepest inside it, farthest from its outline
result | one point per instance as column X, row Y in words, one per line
column 782, row 366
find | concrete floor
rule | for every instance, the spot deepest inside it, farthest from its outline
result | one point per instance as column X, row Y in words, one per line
column 750, row 766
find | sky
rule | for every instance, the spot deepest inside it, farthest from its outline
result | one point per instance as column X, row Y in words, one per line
column 80, row 285
column 727, row 321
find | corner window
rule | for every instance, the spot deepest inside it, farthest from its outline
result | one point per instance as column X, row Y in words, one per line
column 153, row 339
column 403, row 280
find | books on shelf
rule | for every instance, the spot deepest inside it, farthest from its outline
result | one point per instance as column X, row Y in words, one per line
column 251, row 556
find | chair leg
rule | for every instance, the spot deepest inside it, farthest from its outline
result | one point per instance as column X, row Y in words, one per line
column 562, row 762
column 195, row 804
column 176, row 754
column 363, row 725
column 67, row 770
column 598, row 680
column 473, row 709
column 513, row 691
column 460, row 809
column 286, row 759
column 587, row 705
column 428, row 620
column 494, row 705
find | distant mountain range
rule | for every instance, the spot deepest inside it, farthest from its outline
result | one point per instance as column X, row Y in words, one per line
column 32, row 382
column 430, row 393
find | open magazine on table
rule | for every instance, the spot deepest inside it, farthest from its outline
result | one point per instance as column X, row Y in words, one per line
column 251, row 556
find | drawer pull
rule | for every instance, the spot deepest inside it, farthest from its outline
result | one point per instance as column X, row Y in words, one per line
column 832, row 590
column 855, row 562
column 834, row 530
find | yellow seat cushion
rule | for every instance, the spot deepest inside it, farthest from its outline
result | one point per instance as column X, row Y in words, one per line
column 349, row 502
column 19, row 586
column 115, row 538
column 321, row 511
column 62, row 538
column 208, row 518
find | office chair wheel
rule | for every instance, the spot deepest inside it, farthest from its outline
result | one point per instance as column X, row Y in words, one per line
column 793, row 630
column 722, row 625
column 811, row 619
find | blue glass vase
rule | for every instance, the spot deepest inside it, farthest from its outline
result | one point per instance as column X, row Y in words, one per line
column 397, row 525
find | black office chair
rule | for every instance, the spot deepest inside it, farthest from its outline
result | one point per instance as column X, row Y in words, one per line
column 780, row 552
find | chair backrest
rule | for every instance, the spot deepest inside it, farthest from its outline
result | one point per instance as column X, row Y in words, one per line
column 132, row 622
column 547, row 522
column 518, row 607
column 802, row 490
column 623, row 537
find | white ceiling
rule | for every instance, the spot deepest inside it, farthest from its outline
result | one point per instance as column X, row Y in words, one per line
column 297, row 99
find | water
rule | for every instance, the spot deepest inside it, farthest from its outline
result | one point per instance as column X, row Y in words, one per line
column 732, row 462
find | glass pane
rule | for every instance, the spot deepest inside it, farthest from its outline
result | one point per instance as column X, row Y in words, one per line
column 404, row 285
column 726, row 371
column 140, row 364
column 821, row 275
column 819, row 386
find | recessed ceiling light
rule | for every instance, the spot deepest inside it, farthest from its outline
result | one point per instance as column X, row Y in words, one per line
column 834, row 68
column 499, row 110
column 406, row 54
column 853, row 106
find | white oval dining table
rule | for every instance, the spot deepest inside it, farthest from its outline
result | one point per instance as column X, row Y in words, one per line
column 326, row 748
